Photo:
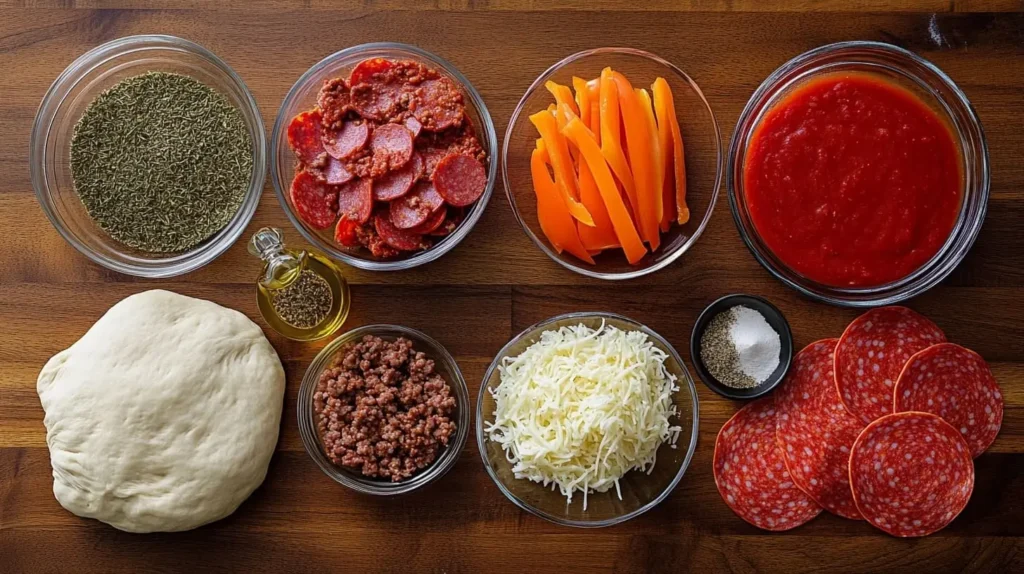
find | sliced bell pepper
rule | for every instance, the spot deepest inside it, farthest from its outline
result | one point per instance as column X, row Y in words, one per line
column 602, row 234
column 611, row 138
column 665, row 108
column 555, row 221
column 561, row 162
column 562, row 94
column 579, row 85
column 641, row 161
column 667, row 211
column 595, row 120
column 626, row 233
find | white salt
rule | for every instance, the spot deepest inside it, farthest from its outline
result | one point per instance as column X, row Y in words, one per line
column 757, row 344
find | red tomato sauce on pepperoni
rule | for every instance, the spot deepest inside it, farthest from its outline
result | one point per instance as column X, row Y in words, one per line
column 852, row 181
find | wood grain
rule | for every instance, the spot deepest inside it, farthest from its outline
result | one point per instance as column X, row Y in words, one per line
column 497, row 283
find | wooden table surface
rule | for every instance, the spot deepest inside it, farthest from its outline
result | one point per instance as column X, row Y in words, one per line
column 496, row 283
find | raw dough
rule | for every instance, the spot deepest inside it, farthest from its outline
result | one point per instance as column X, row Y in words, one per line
column 164, row 416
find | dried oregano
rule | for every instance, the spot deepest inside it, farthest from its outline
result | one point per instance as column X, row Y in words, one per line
column 161, row 161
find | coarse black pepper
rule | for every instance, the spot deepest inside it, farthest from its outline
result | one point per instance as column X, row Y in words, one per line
column 719, row 354
column 305, row 302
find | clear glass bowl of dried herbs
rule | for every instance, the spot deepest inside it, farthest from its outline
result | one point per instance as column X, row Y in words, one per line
column 149, row 155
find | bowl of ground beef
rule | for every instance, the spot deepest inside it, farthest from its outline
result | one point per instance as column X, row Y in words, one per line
column 384, row 410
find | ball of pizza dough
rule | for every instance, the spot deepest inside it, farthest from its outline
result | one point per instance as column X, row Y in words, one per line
column 164, row 416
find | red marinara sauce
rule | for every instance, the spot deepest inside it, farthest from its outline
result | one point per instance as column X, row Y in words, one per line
column 852, row 181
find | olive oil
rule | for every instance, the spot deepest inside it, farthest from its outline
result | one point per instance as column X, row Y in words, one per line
column 301, row 294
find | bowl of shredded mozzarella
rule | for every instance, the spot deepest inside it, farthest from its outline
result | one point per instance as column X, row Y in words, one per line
column 587, row 419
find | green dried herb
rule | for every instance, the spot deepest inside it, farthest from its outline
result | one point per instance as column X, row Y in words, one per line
column 304, row 303
column 161, row 161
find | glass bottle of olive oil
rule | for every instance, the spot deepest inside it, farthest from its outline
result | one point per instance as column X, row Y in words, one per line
column 301, row 294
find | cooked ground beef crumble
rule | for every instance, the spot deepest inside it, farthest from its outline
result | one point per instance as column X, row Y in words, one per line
column 381, row 409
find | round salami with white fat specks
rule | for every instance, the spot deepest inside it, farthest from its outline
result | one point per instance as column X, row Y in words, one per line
column 871, row 354
column 751, row 475
column 815, row 431
column 911, row 473
column 956, row 384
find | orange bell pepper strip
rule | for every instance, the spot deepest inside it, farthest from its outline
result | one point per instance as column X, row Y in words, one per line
column 667, row 211
column 579, row 85
column 626, row 233
column 555, row 221
column 595, row 120
column 641, row 161
column 666, row 109
column 561, row 162
column 611, row 138
column 602, row 235
column 562, row 94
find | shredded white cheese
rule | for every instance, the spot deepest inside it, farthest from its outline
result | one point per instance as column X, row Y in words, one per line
column 580, row 408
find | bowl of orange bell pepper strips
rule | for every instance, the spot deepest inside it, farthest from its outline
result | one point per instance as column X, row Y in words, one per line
column 612, row 162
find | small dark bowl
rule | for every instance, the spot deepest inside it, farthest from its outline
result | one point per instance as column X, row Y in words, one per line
column 777, row 322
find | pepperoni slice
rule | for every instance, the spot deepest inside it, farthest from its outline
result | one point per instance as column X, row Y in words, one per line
column 460, row 179
column 956, row 384
column 345, row 232
column 395, row 184
column 438, row 104
column 334, row 101
column 415, row 207
column 392, row 146
column 355, row 200
column 911, row 474
column 304, row 136
column 377, row 100
column 351, row 137
column 366, row 70
column 751, row 474
column 400, row 239
column 413, row 125
column 454, row 220
column 815, row 431
column 871, row 355
column 334, row 173
column 432, row 222
column 314, row 201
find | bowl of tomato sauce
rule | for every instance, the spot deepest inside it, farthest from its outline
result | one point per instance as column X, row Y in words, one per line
column 859, row 174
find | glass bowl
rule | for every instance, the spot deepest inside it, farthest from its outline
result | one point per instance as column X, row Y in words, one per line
column 63, row 105
column 640, row 491
column 443, row 363
column 702, row 144
column 936, row 89
column 302, row 97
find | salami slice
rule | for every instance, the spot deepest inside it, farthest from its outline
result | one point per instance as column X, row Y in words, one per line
column 351, row 137
column 355, row 200
column 751, row 474
column 392, row 146
column 395, row 184
column 314, row 201
column 956, row 384
column 815, row 431
column 400, row 239
column 416, row 206
column 345, row 232
column 460, row 179
column 432, row 223
column 871, row 355
column 304, row 136
column 334, row 173
column 376, row 101
column 334, row 102
column 366, row 70
column 438, row 104
column 911, row 473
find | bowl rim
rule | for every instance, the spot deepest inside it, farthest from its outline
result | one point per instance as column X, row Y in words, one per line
column 179, row 263
column 719, row 164
column 930, row 273
column 310, row 440
column 481, row 441
column 786, row 360
column 472, row 215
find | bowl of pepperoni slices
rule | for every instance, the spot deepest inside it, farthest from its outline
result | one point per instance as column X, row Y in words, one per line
column 383, row 156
